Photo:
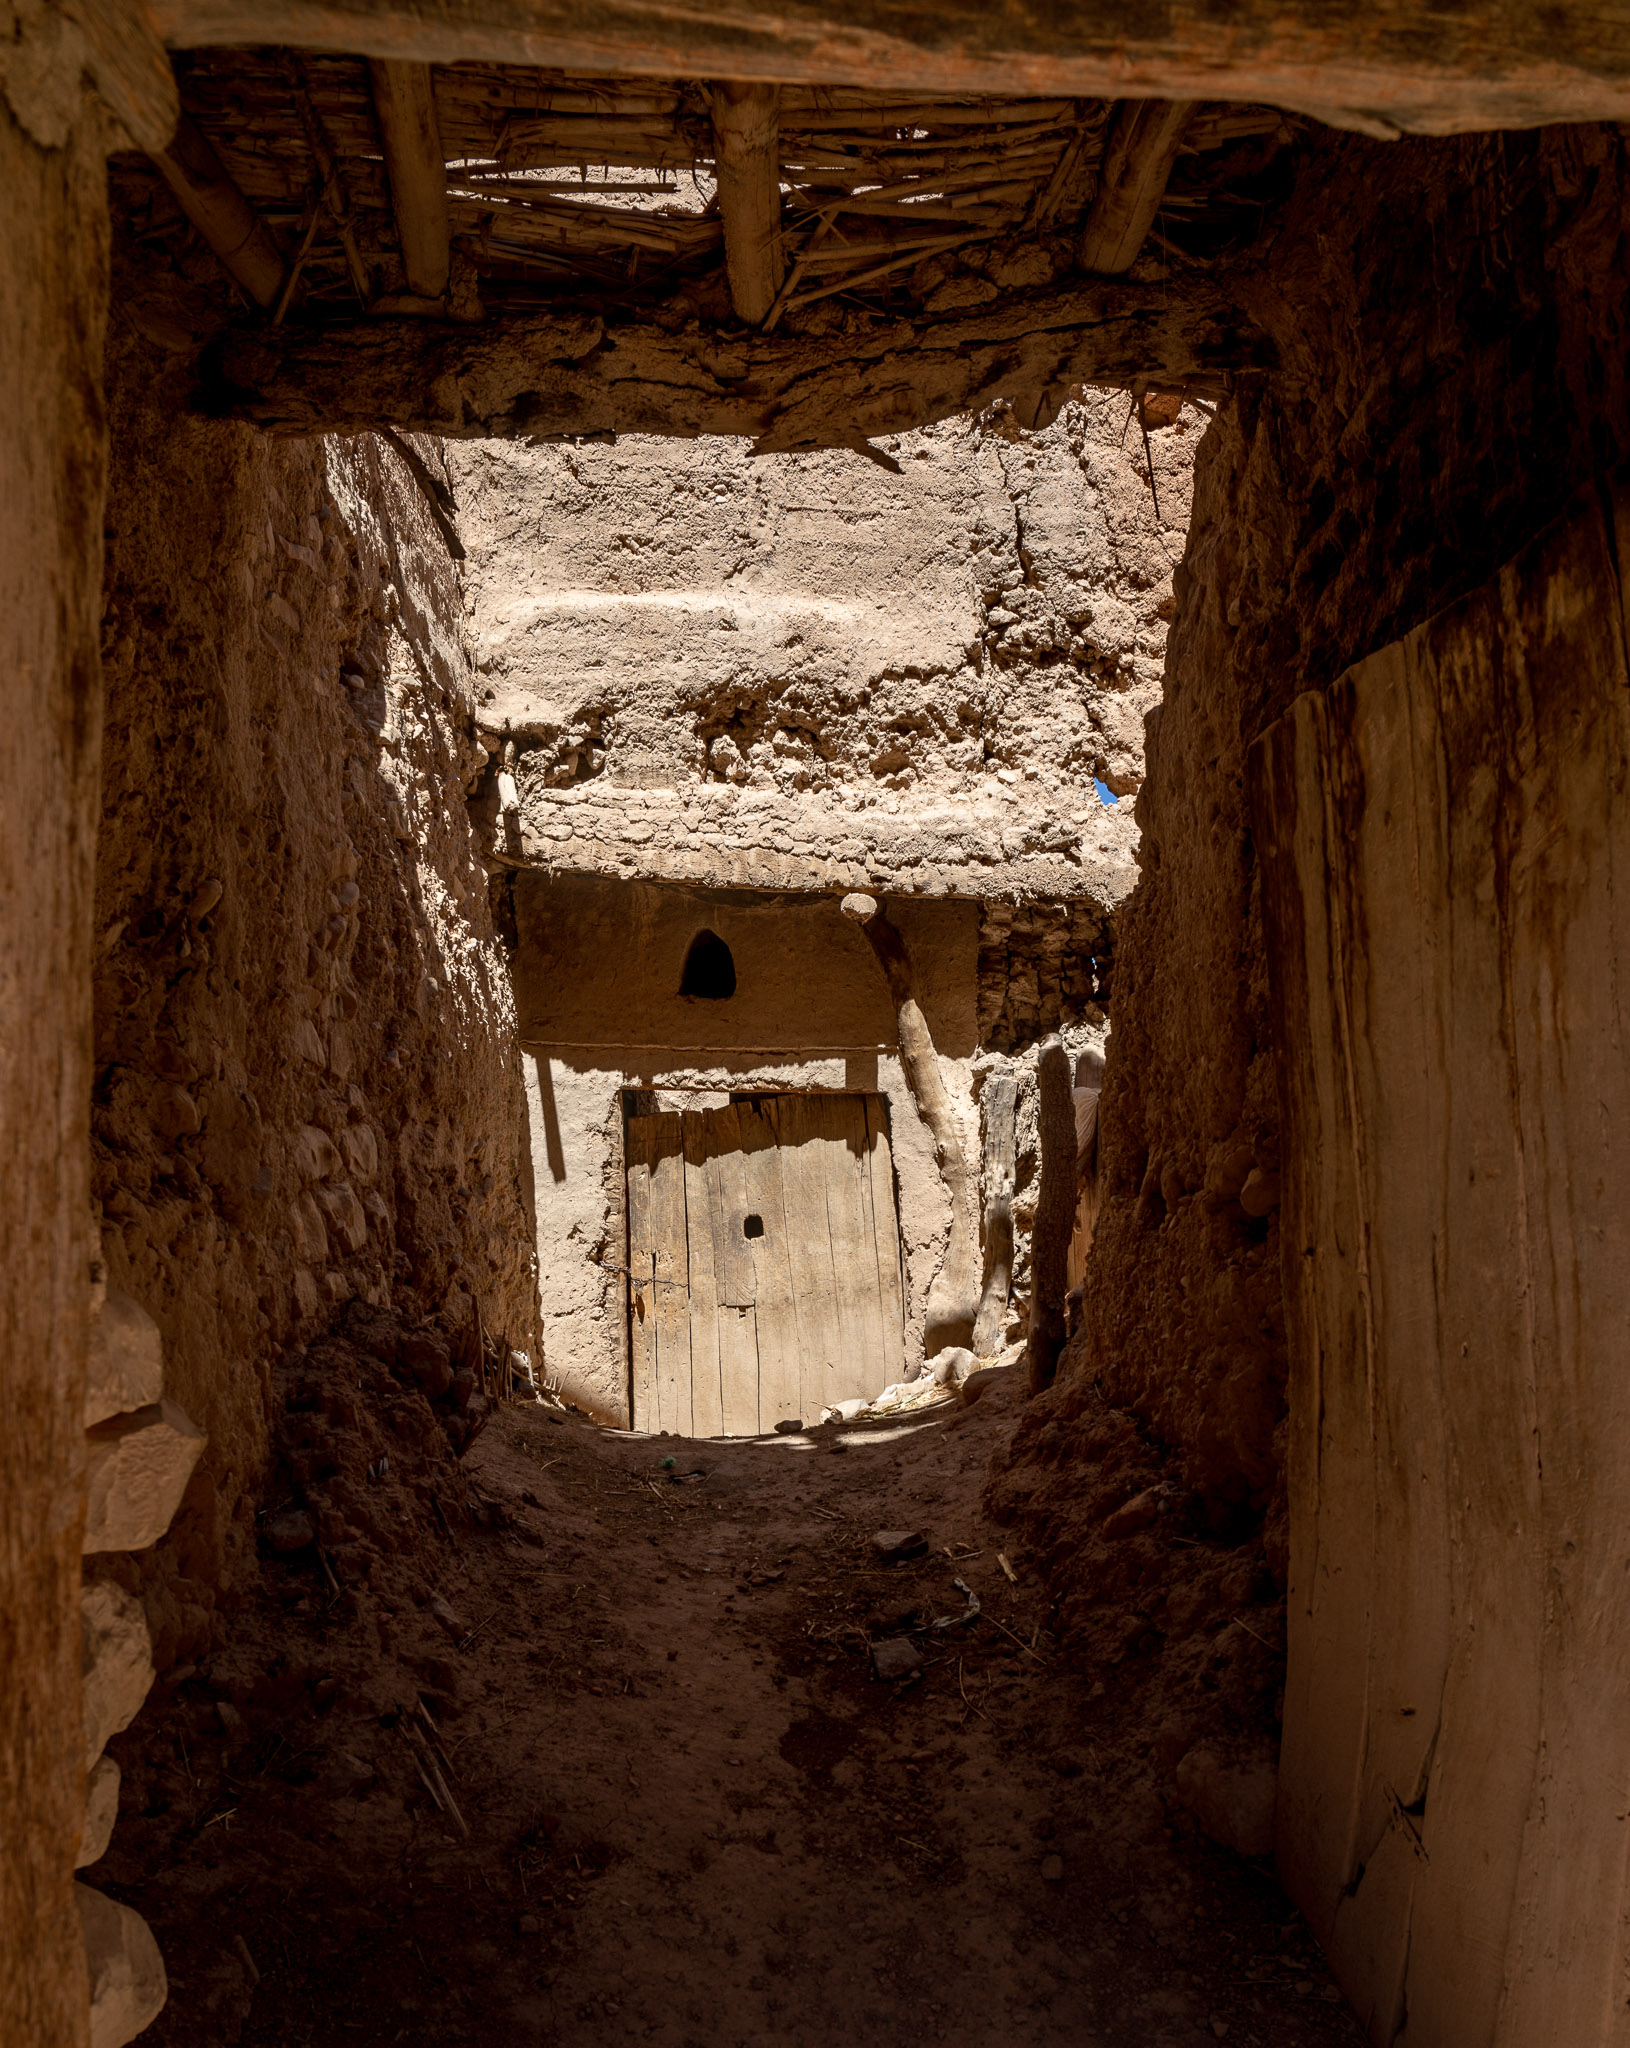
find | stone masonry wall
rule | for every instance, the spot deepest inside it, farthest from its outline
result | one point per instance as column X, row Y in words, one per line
column 307, row 1088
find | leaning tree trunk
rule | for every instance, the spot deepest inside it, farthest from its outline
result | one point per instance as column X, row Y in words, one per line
column 1001, row 1093
column 1055, row 1211
column 953, row 1299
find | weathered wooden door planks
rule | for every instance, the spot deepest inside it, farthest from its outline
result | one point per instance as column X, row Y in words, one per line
column 764, row 1262
column 1445, row 839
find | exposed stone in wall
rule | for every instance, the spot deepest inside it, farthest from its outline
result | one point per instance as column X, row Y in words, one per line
column 1041, row 965
column 920, row 843
column 660, row 612
column 306, row 1085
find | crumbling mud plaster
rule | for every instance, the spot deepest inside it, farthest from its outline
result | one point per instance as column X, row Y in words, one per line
column 993, row 618
column 307, row 1090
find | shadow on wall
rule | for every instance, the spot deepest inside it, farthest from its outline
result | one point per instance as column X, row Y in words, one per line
column 307, row 1087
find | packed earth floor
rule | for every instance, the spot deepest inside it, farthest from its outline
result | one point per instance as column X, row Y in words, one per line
column 681, row 1807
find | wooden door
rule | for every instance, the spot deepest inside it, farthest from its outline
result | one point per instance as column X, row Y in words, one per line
column 764, row 1262
column 1445, row 838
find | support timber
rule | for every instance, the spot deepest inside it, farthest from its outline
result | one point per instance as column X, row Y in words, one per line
column 565, row 375
column 746, row 130
column 1143, row 147
column 406, row 105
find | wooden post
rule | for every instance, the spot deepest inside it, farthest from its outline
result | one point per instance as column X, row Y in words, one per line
column 53, row 298
column 1000, row 1100
column 953, row 1299
column 1055, row 1211
column 747, row 140
column 220, row 213
column 405, row 101
column 1138, row 160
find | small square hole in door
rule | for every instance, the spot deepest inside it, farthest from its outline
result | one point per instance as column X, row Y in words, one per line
column 752, row 1226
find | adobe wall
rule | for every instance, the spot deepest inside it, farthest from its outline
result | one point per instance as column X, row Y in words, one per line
column 1451, row 316
column 597, row 973
column 660, row 614
column 306, row 1085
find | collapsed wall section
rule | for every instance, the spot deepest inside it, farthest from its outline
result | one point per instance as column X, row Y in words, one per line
column 987, row 617
column 307, row 1092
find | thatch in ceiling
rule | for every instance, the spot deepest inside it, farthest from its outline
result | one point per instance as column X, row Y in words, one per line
column 510, row 225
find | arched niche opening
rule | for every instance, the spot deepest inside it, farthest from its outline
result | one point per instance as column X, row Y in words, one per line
column 710, row 972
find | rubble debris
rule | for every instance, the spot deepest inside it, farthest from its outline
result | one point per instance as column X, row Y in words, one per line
column 137, row 1468
column 125, row 1360
column 127, row 1982
column 895, row 1657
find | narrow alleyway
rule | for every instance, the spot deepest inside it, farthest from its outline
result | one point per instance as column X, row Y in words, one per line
column 694, row 1814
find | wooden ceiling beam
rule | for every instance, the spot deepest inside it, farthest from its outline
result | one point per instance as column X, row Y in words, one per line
column 747, row 165
column 220, row 213
column 1137, row 167
column 552, row 376
column 405, row 102
column 1385, row 67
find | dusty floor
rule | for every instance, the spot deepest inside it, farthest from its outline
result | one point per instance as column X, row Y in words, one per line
column 695, row 1816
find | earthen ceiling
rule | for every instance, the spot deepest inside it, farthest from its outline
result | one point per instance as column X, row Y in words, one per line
column 812, row 228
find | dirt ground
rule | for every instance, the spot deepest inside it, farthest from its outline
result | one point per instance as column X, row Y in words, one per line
column 694, row 1814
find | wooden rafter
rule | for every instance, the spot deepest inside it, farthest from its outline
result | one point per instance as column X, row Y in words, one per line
column 1386, row 67
column 1143, row 146
column 221, row 213
column 746, row 161
column 562, row 376
column 405, row 101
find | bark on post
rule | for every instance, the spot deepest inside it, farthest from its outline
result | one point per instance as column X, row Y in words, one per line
column 1055, row 1211
column 405, row 101
column 1143, row 147
column 1001, row 1098
column 747, row 134
column 953, row 1299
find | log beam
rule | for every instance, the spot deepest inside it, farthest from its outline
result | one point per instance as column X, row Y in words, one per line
column 953, row 1299
column 1055, row 1213
column 747, row 163
column 1137, row 167
column 1385, row 68
column 405, row 101
column 999, row 1103
column 220, row 213
column 549, row 375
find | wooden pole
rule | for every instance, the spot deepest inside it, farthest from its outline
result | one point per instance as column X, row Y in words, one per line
column 747, row 141
column 954, row 1297
column 1142, row 148
column 1055, row 1211
column 405, row 101
column 1000, row 1101
column 220, row 213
